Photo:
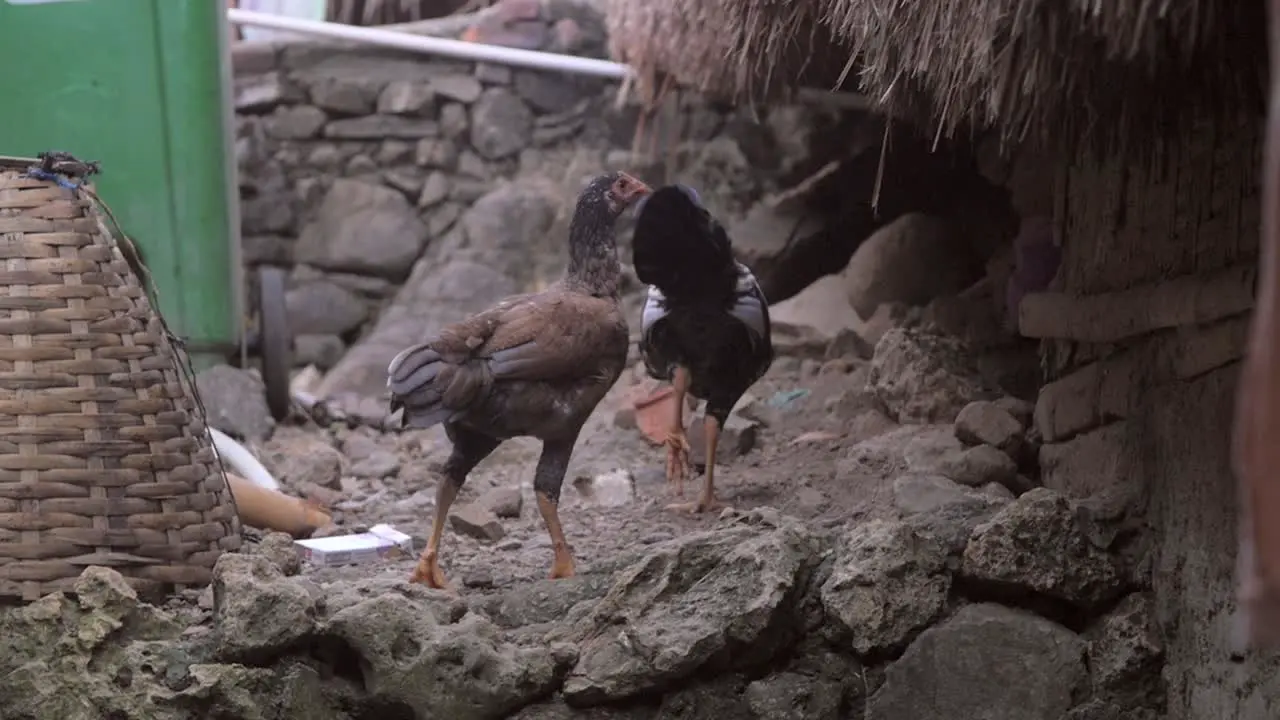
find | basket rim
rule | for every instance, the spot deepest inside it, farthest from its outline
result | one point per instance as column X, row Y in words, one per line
column 17, row 161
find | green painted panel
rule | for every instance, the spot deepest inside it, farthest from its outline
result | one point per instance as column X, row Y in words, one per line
column 139, row 86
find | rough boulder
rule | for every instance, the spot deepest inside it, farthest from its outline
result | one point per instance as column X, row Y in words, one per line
column 726, row 599
column 888, row 583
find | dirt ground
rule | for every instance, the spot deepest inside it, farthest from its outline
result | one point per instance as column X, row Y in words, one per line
column 792, row 467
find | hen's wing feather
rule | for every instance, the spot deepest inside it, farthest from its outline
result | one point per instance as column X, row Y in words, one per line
column 552, row 335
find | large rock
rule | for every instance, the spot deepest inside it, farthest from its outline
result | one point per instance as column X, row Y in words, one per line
column 324, row 308
column 259, row 93
column 438, row 665
column 726, row 598
column 1038, row 544
column 942, row 509
column 258, row 612
column 557, row 709
column 510, row 225
column 986, row 423
column 299, row 460
column 821, row 306
column 794, row 696
column 232, row 690
column 987, row 662
column 940, row 452
column 363, row 228
column 1106, row 710
column 924, row 378
column 381, row 127
column 406, row 98
column 883, row 455
column 911, row 260
column 63, row 656
column 501, row 124
column 298, row 122
column 549, row 92
column 763, row 238
column 1126, row 653
column 887, row 583
column 436, row 294
column 323, row 351
column 235, row 402
column 343, row 97
column 716, row 696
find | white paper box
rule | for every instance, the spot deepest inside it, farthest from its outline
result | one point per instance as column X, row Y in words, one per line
column 379, row 543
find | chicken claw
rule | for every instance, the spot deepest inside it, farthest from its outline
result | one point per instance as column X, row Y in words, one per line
column 678, row 464
column 428, row 573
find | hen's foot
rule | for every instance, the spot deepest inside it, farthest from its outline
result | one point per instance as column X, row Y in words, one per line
column 563, row 567
column 703, row 505
column 677, row 459
column 428, row 573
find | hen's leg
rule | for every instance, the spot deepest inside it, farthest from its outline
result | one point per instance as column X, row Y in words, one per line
column 469, row 448
column 547, row 480
column 707, row 501
column 677, row 443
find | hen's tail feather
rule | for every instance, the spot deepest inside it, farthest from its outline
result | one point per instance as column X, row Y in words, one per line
column 409, row 372
column 429, row 389
column 432, row 389
column 423, row 420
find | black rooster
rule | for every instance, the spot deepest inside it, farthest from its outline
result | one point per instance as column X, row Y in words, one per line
column 705, row 326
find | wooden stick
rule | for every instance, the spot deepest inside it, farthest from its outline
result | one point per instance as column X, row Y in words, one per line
column 1115, row 316
column 1256, row 450
column 802, row 188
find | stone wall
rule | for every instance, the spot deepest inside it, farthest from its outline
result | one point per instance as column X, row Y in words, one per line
column 356, row 163
column 1143, row 356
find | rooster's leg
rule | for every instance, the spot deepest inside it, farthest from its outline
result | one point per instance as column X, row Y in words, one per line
column 547, row 480
column 707, row 501
column 677, row 443
column 469, row 448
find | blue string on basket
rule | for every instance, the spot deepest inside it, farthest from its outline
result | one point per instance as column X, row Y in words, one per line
column 42, row 174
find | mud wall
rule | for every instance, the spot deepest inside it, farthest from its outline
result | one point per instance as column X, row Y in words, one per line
column 1143, row 357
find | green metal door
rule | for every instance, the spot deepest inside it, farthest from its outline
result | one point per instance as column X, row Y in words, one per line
column 143, row 87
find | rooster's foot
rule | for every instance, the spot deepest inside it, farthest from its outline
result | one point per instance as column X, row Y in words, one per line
column 677, row 460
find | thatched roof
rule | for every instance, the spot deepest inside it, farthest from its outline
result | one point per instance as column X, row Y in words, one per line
column 1102, row 72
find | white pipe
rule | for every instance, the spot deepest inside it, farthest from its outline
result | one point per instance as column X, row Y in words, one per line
column 401, row 39
column 242, row 461
column 435, row 45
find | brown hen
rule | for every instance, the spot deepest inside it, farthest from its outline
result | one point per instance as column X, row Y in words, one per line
column 533, row 365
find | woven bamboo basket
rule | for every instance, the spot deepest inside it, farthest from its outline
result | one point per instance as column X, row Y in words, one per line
column 104, row 458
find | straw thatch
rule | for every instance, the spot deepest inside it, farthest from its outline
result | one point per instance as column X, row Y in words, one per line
column 1109, row 73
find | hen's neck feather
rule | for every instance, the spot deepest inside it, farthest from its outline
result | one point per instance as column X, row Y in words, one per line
column 593, row 257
